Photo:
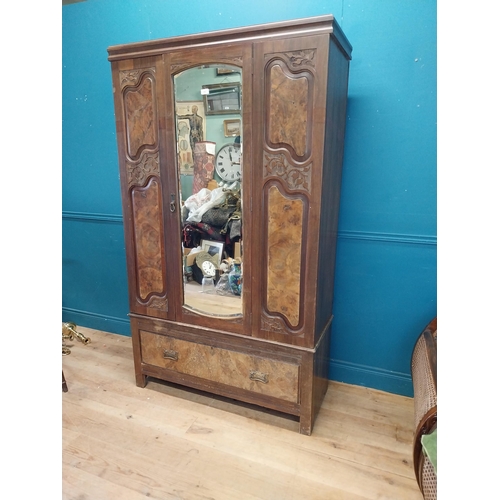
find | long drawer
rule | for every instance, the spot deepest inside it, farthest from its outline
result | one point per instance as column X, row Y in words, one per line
column 258, row 374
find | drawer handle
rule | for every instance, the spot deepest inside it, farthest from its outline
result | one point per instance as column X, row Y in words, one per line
column 171, row 354
column 259, row 376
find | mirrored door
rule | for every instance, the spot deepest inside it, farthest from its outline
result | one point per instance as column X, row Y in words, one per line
column 210, row 167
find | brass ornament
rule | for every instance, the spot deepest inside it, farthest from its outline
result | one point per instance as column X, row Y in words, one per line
column 69, row 332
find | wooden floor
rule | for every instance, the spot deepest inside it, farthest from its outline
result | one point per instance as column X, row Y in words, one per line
column 121, row 442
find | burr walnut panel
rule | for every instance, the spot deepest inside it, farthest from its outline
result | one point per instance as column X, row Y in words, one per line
column 245, row 371
column 288, row 110
column 284, row 249
column 147, row 224
column 140, row 116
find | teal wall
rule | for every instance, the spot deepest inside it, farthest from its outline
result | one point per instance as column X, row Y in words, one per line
column 385, row 277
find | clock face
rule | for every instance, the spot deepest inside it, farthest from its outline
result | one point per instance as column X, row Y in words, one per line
column 207, row 263
column 208, row 268
column 228, row 162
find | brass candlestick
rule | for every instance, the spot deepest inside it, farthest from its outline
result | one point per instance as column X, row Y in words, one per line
column 69, row 332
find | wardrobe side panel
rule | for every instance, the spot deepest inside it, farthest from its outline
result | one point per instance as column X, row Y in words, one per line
column 332, row 176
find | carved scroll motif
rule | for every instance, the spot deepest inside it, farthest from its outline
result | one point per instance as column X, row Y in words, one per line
column 138, row 173
column 295, row 176
column 175, row 68
column 299, row 58
column 271, row 325
column 141, row 125
column 129, row 77
column 158, row 303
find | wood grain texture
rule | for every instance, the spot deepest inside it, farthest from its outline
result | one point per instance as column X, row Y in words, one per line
column 284, row 249
column 288, row 103
column 331, row 180
column 299, row 58
column 253, row 373
column 140, row 119
column 162, row 442
column 150, row 261
column 325, row 24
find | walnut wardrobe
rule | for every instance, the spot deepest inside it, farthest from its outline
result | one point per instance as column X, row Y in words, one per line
column 247, row 122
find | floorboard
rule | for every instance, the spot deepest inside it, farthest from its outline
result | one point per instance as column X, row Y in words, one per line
column 167, row 442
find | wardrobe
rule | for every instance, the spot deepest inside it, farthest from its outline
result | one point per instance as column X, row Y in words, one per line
column 230, row 147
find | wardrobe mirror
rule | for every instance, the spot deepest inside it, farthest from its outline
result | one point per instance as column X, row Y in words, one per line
column 209, row 162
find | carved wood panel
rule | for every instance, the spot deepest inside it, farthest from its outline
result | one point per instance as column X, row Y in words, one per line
column 147, row 165
column 148, row 236
column 289, row 79
column 289, row 91
column 295, row 176
column 139, row 96
column 288, row 110
column 285, row 216
column 142, row 167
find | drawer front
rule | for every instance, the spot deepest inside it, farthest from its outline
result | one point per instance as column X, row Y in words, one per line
column 253, row 373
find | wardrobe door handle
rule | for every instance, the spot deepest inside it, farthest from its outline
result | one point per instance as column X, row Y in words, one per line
column 170, row 354
column 172, row 203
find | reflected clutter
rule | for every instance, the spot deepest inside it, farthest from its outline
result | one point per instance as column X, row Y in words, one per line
column 209, row 150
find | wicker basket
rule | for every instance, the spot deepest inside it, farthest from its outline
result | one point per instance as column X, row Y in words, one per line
column 424, row 376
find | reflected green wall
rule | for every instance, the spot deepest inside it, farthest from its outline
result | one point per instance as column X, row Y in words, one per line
column 385, row 277
column 188, row 86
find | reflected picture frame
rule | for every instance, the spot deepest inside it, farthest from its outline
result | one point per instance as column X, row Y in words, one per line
column 222, row 98
column 213, row 248
column 226, row 71
column 232, row 128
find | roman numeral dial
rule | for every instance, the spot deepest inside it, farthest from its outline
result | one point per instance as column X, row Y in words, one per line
column 228, row 163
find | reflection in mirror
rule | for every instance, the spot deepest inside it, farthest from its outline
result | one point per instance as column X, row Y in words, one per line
column 209, row 155
column 222, row 98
